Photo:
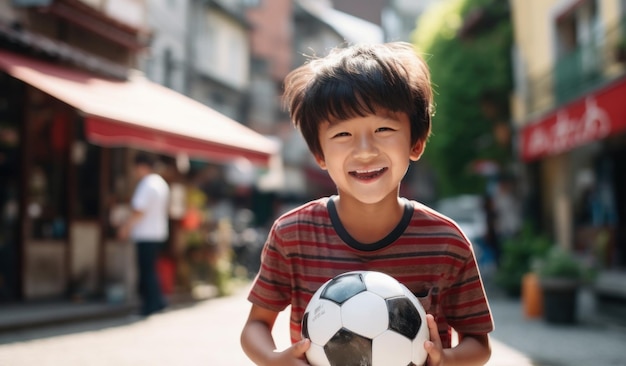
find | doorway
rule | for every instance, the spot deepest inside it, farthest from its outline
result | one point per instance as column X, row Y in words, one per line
column 10, row 193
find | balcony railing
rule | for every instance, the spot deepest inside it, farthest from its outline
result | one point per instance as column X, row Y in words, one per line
column 579, row 72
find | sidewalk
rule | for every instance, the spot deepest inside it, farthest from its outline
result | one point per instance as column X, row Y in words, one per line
column 31, row 315
column 516, row 341
column 533, row 342
column 21, row 316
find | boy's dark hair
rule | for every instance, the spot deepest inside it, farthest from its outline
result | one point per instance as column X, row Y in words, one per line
column 355, row 82
column 142, row 158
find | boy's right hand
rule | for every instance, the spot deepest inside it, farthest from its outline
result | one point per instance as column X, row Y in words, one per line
column 292, row 356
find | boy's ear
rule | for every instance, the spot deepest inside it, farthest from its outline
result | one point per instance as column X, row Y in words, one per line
column 320, row 161
column 417, row 150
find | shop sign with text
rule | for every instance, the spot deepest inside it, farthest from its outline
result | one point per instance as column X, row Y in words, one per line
column 588, row 119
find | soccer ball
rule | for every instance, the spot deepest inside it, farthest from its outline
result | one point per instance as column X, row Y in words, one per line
column 365, row 318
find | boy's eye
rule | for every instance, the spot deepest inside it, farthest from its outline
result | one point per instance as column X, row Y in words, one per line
column 382, row 129
column 341, row 134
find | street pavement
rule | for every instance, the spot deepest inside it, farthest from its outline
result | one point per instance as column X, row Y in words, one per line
column 207, row 333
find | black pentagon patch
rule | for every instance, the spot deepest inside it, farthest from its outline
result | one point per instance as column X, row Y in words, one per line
column 403, row 317
column 348, row 349
column 305, row 325
column 343, row 287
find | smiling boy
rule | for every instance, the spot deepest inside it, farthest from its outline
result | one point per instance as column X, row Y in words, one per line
column 365, row 113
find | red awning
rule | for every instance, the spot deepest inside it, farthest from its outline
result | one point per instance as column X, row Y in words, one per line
column 142, row 114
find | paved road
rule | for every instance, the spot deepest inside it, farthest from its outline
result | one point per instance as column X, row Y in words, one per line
column 207, row 334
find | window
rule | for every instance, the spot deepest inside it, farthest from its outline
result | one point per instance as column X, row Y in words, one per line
column 118, row 190
column 577, row 26
column 86, row 161
column 11, row 107
column 250, row 3
column 48, row 134
column 168, row 68
column 579, row 43
column 566, row 33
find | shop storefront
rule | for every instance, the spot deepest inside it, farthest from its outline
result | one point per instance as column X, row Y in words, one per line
column 66, row 142
column 578, row 153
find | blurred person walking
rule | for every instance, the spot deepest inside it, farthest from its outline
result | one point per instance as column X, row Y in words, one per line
column 148, row 228
column 507, row 209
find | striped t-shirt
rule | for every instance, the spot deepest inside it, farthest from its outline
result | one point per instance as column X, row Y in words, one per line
column 427, row 252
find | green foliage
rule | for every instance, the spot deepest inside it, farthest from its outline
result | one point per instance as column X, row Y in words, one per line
column 518, row 255
column 465, row 72
column 559, row 263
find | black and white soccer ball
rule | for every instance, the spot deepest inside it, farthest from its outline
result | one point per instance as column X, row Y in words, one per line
column 365, row 318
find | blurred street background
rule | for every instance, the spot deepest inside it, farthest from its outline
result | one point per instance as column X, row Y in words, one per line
column 528, row 155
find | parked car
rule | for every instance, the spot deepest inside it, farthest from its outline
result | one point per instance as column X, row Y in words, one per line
column 468, row 212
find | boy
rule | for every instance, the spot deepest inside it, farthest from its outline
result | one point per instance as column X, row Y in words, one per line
column 365, row 113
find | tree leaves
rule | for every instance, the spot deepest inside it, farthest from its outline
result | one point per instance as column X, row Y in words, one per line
column 471, row 74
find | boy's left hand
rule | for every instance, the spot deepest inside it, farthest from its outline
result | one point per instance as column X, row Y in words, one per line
column 433, row 347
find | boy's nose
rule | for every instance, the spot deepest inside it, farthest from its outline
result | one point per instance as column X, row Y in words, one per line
column 365, row 147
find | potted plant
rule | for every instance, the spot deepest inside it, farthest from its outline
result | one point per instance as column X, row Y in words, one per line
column 517, row 255
column 560, row 276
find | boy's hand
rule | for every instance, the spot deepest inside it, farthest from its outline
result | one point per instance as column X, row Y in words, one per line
column 433, row 347
column 292, row 356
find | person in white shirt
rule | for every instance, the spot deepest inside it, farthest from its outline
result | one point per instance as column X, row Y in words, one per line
column 148, row 228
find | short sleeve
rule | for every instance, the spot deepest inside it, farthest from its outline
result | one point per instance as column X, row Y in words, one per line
column 271, row 288
column 465, row 303
column 144, row 194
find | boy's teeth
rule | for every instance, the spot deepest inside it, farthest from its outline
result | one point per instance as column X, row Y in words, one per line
column 367, row 171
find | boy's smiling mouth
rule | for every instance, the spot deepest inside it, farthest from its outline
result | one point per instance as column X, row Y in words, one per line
column 367, row 174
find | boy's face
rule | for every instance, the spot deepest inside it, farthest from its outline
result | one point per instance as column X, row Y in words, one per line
column 367, row 157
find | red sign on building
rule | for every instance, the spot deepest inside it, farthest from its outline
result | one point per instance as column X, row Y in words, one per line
column 591, row 118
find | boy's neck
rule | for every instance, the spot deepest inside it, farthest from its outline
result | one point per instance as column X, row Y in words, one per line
column 368, row 223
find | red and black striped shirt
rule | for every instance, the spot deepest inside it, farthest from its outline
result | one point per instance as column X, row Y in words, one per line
column 427, row 252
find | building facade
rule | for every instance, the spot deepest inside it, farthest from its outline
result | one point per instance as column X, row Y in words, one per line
column 570, row 84
column 219, row 57
column 166, row 61
column 73, row 112
column 49, row 209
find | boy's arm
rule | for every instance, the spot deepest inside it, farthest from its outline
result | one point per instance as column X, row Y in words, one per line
column 258, row 344
column 472, row 350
